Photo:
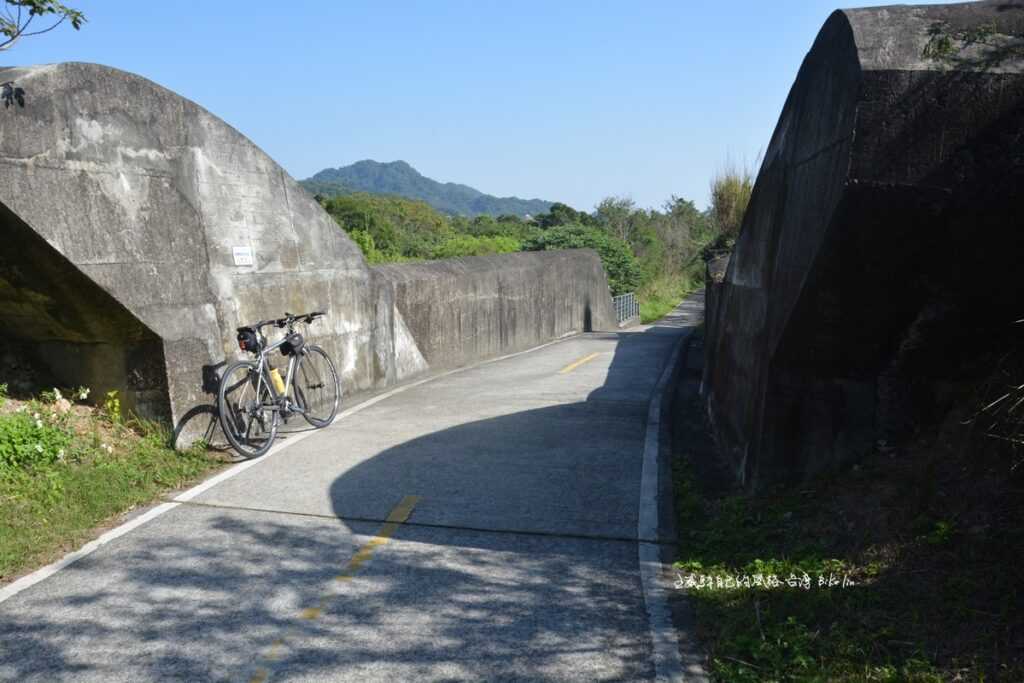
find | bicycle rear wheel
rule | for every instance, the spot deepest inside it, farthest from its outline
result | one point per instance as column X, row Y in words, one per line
column 317, row 390
column 249, row 420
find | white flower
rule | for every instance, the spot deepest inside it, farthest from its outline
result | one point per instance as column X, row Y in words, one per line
column 83, row 393
column 56, row 394
column 22, row 408
column 39, row 424
column 39, row 448
column 35, row 416
column 107, row 448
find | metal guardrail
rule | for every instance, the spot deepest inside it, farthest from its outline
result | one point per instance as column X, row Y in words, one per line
column 627, row 309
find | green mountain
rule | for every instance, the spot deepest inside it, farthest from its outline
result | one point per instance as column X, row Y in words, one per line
column 399, row 178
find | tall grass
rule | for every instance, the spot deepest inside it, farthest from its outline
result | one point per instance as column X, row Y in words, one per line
column 731, row 188
column 661, row 295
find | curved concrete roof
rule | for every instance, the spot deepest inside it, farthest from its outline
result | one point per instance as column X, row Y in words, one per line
column 162, row 205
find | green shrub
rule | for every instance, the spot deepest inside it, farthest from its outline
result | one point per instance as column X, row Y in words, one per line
column 368, row 246
column 28, row 440
column 470, row 245
column 619, row 262
column 112, row 407
column 399, row 227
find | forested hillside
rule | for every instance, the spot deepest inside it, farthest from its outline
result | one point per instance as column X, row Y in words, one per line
column 655, row 253
column 401, row 179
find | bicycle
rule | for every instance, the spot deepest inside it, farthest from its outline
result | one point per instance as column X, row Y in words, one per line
column 253, row 398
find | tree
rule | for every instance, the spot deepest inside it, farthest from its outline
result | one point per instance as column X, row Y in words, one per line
column 368, row 246
column 619, row 263
column 399, row 227
column 563, row 214
column 685, row 217
column 618, row 216
column 17, row 16
column 684, row 229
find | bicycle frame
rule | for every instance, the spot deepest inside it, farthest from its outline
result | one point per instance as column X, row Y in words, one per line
column 281, row 402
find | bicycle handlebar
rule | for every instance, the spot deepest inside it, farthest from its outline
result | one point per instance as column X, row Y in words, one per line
column 289, row 319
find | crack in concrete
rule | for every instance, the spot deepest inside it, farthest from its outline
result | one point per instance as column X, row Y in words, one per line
column 429, row 525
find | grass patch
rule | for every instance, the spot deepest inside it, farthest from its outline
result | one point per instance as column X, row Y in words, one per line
column 902, row 569
column 664, row 293
column 67, row 469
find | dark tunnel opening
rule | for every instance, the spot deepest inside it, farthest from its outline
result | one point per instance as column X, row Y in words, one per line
column 61, row 329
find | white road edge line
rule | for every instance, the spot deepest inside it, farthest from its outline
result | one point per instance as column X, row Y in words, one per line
column 668, row 662
column 29, row 580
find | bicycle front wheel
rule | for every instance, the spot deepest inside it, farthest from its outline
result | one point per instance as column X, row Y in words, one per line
column 246, row 408
column 317, row 390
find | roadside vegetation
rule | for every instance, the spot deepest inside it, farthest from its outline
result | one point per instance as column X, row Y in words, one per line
column 901, row 568
column 655, row 253
column 67, row 468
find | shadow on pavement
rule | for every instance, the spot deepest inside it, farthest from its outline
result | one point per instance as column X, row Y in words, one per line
column 199, row 593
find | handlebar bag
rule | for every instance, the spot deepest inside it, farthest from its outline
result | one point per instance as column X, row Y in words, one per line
column 292, row 344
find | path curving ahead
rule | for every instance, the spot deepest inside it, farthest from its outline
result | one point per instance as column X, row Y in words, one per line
column 481, row 525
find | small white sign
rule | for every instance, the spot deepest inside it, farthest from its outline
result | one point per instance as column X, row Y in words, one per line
column 243, row 256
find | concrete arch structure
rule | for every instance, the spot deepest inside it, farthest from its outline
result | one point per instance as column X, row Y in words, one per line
column 176, row 228
column 882, row 240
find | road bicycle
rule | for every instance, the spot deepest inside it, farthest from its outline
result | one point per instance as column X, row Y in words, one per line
column 253, row 398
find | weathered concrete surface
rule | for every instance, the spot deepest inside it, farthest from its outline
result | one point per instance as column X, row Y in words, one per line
column 146, row 194
column 124, row 208
column 462, row 310
column 882, row 241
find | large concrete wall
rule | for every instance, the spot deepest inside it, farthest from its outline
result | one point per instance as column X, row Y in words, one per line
column 882, row 227
column 461, row 310
column 123, row 207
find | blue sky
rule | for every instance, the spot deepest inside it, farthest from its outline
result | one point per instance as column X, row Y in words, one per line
column 567, row 101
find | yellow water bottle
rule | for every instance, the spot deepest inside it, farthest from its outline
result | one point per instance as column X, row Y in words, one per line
column 275, row 377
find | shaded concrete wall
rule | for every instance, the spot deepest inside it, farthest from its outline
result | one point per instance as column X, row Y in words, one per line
column 460, row 310
column 882, row 226
column 127, row 213
column 52, row 312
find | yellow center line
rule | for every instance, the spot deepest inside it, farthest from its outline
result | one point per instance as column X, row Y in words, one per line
column 398, row 516
column 575, row 364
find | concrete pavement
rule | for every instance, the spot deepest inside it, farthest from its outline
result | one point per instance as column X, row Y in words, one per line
column 518, row 485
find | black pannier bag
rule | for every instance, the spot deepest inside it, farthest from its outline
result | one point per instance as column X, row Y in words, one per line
column 292, row 344
column 248, row 340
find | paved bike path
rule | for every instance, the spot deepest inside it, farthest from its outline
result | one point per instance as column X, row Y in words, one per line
column 517, row 482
